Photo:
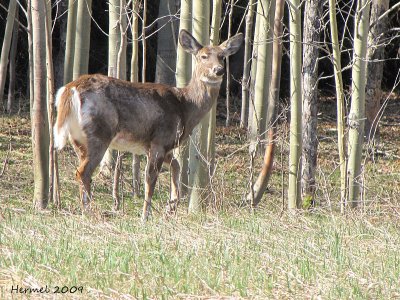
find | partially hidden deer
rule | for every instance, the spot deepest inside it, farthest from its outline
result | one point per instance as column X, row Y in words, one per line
column 98, row 112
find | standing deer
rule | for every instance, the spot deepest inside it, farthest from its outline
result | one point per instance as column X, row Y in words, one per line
column 98, row 112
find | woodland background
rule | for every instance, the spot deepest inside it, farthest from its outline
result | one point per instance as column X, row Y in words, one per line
column 282, row 215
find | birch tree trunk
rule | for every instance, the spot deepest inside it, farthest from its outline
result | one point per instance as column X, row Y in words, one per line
column 258, row 189
column 337, row 66
column 198, row 148
column 134, row 77
column 12, row 73
column 375, row 57
column 311, row 39
column 70, row 41
column 357, row 109
column 246, row 64
column 214, row 39
column 5, row 49
column 266, row 12
column 82, row 38
column 40, row 126
column 295, row 105
column 183, row 75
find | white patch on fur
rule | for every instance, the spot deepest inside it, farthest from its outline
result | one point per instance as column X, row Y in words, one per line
column 71, row 126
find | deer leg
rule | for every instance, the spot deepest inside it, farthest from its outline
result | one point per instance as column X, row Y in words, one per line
column 155, row 160
column 89, row 160
column 173, row 202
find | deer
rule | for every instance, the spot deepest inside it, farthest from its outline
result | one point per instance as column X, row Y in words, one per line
column 97, row 112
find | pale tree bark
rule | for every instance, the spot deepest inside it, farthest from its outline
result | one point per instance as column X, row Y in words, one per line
column 5, row 49
column 295, row 105
column 53, row 164
column 337, row 66
column 82, row 38
column 144, row 46
column 214, row 39
column 258, row 188
column 227, row 69
column 246, row 64
column 166, row 43
column 134, row 77
column 121, row 25
column 183, row 75
column 70, row 41
column 311, row 40
column 12, row 73
column 375, row 57
column 199, row 176
column 357, row 109
column 40, row 126
column 30, row 54
column 114, row 44
column 266, row 13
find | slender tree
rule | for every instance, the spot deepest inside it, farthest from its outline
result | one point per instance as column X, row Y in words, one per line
column 40, row 126
column 337, row 66
column 70, row 41
column 5, row 49
column 82, row 38
column 198, row 163
column 246, row 64
column 214, row 39
column 295, row 105
column 257, row 190
column 311, row 40
column 134, row 77
column 183, row 75
column 265, row 13
column 375, row 56
column 12, row 66
column 227, row 68
column 357, row 109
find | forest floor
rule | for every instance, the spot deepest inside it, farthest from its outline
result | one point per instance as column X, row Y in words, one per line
column 226, row 252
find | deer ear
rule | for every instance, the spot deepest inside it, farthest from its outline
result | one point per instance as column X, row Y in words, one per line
column 188, row 42
column 232, row 45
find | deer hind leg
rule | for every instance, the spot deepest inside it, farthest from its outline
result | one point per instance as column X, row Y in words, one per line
column 155, row 159
column 173, row 202
column 89, row 158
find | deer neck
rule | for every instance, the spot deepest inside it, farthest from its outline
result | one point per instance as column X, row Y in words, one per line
column 200, row 96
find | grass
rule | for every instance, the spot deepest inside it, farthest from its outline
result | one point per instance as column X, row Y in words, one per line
column 226, row 252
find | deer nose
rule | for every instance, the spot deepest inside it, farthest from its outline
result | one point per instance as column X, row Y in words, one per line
column 218, row 70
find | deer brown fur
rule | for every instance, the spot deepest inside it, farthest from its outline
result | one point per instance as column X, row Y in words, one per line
column 98, row 112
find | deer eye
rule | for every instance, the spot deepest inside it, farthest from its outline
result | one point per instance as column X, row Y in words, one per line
column 204, row 56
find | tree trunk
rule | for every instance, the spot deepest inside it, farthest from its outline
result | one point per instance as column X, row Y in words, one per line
column 53, row 178
column 214, row 39
column 166, row 43
column 357, row 109
column 70, row 41
column 13, row 54
column 61, row 43
column 266, row 11
column 375, row 57
column 227, row 69
column 246, row 65
column 144, row 46
column 199, row 176
column 82, row 38
column 311, row 39
column 183, row 75
column 136, row 182
column 295, row 105
column 260, row 185
column 40, row 126
column 340, row 102
column 12, row 7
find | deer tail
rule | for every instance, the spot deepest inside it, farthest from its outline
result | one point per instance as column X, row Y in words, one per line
column 68, row 110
